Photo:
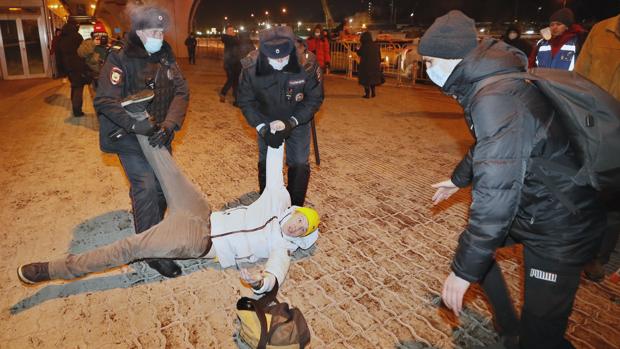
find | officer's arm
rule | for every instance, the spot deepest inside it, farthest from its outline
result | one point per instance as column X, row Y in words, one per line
column 178, row 106
column 313, row 96
column 112, row 80
column 247, row 100
column 463, row 173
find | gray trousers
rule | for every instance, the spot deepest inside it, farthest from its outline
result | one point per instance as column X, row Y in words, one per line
column 184, row 232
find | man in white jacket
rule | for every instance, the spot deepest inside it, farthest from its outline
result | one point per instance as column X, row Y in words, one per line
column 268, row 228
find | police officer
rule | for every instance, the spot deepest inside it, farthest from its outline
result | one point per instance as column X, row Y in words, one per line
column 279, row 96
column 144, row 61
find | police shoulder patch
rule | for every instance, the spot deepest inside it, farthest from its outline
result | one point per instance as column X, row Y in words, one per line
column 116, row 75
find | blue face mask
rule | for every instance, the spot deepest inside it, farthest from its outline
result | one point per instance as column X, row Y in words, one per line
column 153, row 45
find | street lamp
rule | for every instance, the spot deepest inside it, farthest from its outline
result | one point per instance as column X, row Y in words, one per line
column 225, row 18
column 284, row 10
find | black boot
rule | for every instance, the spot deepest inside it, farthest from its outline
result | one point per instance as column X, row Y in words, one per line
column 262, row 176
column 372, row 91
column 166, row 267
column 298, row 177
column 366, row 92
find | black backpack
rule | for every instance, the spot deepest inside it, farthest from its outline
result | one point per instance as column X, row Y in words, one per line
column 590, row 116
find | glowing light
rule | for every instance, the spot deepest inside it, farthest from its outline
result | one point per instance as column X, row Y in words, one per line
column 242, row 28
column 268, row 26
column 283, row 10
column 530, row 32
column 350, row 20
column 482, row 30
column 93, row 6
column 15, row 8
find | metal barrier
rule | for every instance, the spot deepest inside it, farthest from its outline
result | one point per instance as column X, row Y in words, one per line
column 399, row 61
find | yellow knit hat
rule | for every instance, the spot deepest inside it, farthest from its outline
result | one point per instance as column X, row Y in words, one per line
column 312, row 216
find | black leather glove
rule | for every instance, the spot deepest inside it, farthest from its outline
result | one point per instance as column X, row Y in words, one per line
column 272, row 140
column 163, row 137
column 143, row 127
column 289, row 125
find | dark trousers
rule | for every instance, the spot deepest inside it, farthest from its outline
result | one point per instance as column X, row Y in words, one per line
column 369, row 91
column 147, row 198
column 192, row 55
column 77, row 95
column 549, row 294
column 297, row 153
column 232, row 80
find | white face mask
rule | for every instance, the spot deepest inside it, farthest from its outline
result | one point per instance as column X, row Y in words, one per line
column 440, row 69
column 278, row 63
column 512, row 35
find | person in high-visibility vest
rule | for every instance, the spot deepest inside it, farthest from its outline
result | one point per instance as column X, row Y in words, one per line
column 561, row 51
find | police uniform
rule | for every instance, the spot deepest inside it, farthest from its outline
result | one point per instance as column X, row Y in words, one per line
column 292, row 95
column 128, row 70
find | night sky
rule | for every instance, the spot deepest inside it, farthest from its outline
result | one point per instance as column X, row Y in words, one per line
column 211, row 13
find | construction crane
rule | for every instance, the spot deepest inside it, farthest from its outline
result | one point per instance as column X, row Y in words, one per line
column 328, row 16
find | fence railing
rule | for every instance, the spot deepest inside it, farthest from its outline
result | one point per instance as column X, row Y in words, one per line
column 399, row 61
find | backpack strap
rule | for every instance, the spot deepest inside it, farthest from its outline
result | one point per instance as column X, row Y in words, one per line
column 259, row 307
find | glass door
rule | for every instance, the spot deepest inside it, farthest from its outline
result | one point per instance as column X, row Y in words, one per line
column 22, row 55
column 12, row 63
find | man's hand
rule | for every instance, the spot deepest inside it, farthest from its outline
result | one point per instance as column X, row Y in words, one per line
column 254, row 281
column 143, row 127
column 273, row 140
column 163, row 137
column 289, row 125
column 454, row 289
column 445, row 189
column 276, row 126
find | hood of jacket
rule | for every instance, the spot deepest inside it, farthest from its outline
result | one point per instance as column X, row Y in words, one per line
column 491, row 57
column 135, row 48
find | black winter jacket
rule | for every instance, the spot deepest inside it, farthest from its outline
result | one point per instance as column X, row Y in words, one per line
column 266, row 94
column 232, row 57
column 66, row 52
column 513, row 125
column 132, row 69
column 369, row 68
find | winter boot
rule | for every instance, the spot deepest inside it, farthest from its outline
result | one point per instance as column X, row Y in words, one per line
column 262, row 176
column 372, row 91
column 137, row 102
column 33, row 273
column 366, row 92
column 166, row 267
column 298, row 177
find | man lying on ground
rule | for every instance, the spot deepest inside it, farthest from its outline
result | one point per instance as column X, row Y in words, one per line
column 268, row 228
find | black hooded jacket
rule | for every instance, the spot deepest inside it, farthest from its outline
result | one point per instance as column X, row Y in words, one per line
column 513, row 125
column 66, row 53
column 266, row 94
column 132, row 69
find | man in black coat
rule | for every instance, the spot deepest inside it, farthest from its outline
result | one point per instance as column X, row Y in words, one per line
column 232, row 63
column 513, row 125
column 145, row 61
column 513, row 37
column 277, row 92
column 72, row 64
column 191, row 44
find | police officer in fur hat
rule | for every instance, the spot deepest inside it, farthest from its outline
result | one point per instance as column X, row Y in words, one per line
column 279, row 96
column 144, row 62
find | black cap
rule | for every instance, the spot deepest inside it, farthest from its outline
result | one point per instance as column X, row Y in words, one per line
column 277, row 42
column 451, row 36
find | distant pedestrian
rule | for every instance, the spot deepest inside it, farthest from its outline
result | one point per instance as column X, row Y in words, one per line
column 599, row 61
column 513, row 38
column 191, row 44
column 561, row 51
column 369, row 68
column 232, row 63
column 58, row 69
column 319, row 45
column 245, row 44
column 72, row 64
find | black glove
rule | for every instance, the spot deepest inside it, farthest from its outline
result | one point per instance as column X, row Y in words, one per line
column 272, row 140
column 163, row 137
column 143, row 127
column 289, row 125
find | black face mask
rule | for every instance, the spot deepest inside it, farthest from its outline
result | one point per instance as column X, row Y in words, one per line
column 103, row 41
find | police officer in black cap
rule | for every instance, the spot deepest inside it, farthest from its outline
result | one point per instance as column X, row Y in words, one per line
column 145, row 61
column 279, row 96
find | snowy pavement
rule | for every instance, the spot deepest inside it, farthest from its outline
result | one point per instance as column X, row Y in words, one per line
column 372, row 281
